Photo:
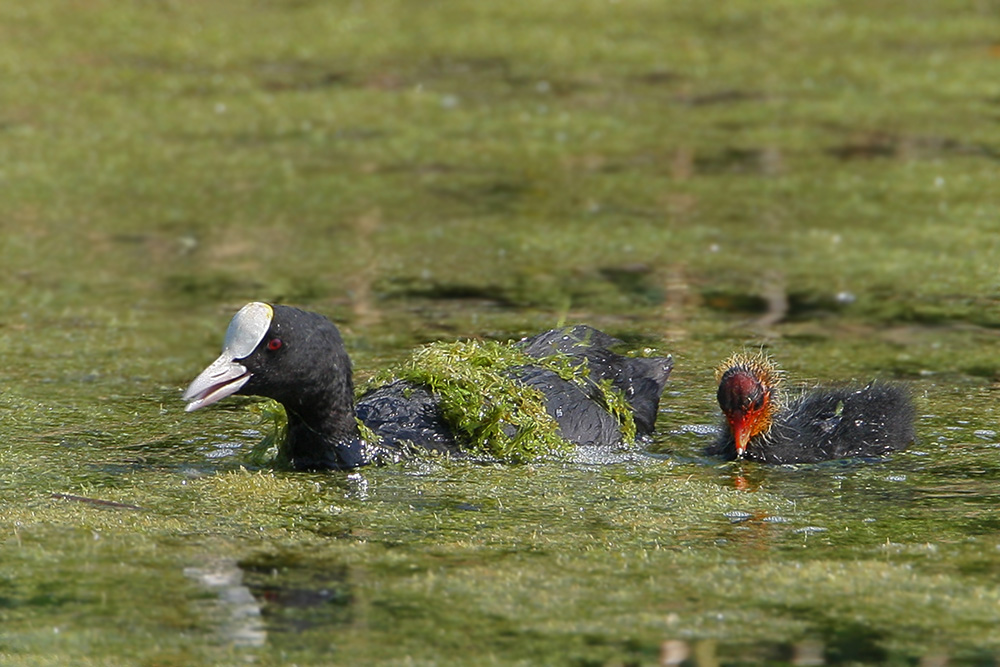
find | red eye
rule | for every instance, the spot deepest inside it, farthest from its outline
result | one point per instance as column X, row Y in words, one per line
column 274, row 344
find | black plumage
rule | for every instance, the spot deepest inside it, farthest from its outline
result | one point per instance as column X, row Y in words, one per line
column 298, row 358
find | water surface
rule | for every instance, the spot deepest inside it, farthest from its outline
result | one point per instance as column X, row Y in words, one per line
column 815, row 178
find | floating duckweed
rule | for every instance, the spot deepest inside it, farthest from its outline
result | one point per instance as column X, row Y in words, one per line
column 274, row 422
column 615, row 403
column 485, row 406
column 367, row 434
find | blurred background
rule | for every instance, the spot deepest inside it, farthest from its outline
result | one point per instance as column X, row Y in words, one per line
column 814, row 177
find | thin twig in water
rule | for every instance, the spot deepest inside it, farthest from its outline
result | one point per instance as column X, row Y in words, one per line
column 95, row 501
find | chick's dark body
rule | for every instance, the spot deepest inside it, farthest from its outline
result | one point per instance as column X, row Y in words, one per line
column 830, row 423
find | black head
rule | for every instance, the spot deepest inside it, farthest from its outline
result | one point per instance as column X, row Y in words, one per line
column 290, row 355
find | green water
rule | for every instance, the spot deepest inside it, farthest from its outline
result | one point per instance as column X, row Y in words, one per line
column 694, row 178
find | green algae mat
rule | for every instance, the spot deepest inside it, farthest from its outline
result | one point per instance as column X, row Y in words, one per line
column 815, row 178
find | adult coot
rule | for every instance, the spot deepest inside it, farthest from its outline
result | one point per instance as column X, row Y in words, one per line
column 816, row 425
column 298, row 359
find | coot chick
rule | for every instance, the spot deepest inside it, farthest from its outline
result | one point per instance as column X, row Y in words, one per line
column 298, row 359
column 816, row 425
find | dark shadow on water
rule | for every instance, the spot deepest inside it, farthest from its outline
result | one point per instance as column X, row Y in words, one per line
column 496, row 195
column 297, row 75
column 850, row 644
column 733, row 160
column 442, row 291
column 801, row 305
column 721, row 97
column 843, row 641
column 873, row 145
column 635, row 281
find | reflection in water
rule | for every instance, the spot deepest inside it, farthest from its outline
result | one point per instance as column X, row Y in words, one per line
column 840, row 650
column 244, row 626
column 296, row 595
column 674, row 652
column 808, row 652
column 272, row 598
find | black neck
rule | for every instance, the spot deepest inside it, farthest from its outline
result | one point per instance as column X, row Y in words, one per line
column 323, row 429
